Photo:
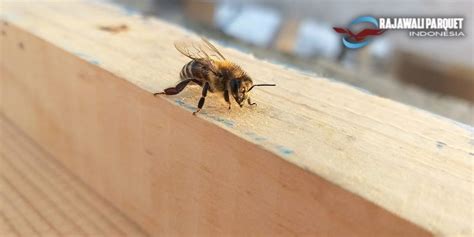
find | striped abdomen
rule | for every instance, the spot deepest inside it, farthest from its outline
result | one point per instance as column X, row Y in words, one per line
column 195, row 69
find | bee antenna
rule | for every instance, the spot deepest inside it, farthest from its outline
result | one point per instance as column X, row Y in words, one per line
column 261, row 85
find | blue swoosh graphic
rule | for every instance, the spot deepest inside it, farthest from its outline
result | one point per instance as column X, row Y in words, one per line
column 354, row 45
column 368, row 19
column 362, row 19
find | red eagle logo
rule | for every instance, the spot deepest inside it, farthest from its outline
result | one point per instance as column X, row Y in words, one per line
column 359, row 36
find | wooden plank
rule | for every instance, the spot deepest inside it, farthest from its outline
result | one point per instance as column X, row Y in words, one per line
column 314, row 157
column 451, row 79
column 389, row 87
column 287, row 36
column 40, row 197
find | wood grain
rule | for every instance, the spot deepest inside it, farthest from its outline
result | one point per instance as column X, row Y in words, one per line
column 39, row 197
column 314, row 157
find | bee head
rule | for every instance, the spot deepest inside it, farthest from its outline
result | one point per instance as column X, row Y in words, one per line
column 241, row 87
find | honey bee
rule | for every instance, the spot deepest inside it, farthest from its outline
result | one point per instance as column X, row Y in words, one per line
column 209, row 69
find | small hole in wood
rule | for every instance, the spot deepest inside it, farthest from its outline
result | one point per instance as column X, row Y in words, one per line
column 21, row 45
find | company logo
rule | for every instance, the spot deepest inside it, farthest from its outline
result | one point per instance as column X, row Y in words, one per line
column 436, row 27
column 425, row 26
column 361, row 39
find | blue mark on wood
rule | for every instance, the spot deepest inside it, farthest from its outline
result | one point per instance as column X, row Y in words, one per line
column 281, row 149
column 187, row 106
column 81, row 55
column 285, row 151
column 255, row 137
column 95, row 62
column 226, row 122
column 259, row 139
column 87, row 58
column 8, row 17
column 440, row 145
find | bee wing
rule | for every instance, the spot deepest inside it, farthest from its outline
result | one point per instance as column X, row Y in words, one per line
column 198, row 49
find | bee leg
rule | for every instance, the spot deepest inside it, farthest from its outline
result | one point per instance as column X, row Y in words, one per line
column 178, row 88
column 250, row 102
column 203, row 98
column 226, row 97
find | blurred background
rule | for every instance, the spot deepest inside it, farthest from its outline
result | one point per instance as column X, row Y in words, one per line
column 434, row 74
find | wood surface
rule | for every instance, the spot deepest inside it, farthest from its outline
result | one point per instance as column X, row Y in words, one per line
column 315, row 157
column 39, row 197
column 452, row 79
